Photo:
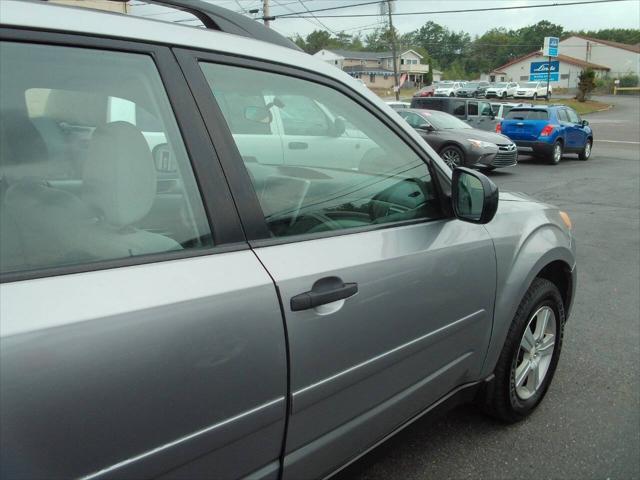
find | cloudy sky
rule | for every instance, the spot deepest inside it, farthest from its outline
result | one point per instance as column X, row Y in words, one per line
column 623, row 14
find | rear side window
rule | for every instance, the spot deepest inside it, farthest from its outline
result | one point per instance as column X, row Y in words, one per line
column 473, row 109
column 562, row 115
column 92, row 165
column 459, row 108
column 332, row 165
column 527, row 114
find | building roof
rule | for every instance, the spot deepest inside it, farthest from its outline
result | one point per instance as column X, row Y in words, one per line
column 562, row 58
column 362, row 55
column 624, row 46
column 368, row 71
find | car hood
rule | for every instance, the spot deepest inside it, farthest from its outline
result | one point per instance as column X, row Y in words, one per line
column 481, row 135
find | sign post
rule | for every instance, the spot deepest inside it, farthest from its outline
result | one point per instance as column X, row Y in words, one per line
column 549, row 50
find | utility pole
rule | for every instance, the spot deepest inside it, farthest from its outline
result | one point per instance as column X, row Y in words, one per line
column 265, row 12
column 393, row 51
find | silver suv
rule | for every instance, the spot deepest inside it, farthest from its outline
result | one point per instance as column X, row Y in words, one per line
column 223, row 258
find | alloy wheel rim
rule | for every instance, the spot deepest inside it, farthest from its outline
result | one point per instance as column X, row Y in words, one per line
column 451, row 158
column 535, row 353
column 587, row 150
column 557, row 153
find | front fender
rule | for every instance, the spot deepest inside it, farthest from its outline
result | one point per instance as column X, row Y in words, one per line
column 523, row 250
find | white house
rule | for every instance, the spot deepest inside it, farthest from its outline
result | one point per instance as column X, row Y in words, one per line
column 533, row 66
column 621, row 58
column 375, row 69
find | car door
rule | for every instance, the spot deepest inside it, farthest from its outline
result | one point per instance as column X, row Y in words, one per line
column 387, row 300
column 472, row 113
column 577, row 131
column 486, row 119
column 131, row 347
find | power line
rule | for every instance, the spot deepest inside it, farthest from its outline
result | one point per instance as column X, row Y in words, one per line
column 328, row 8
column 317, row 23
column 435, row 12
column 307, row 9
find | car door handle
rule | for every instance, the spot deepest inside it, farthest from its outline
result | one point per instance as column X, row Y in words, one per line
column 298, row 145
column 325, row 290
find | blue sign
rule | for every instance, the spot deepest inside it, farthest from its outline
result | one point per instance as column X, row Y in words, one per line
column 538, row 71
column 550, row 48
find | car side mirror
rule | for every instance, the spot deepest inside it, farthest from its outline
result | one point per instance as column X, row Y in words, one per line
column 585, row 123
column 426, row 127
column 474, row 196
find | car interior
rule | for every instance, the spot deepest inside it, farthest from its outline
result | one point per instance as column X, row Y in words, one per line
column 80, row 179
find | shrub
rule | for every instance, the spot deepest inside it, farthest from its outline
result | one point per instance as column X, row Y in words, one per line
column 586, row 84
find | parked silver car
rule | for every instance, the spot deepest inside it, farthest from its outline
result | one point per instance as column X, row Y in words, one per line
column 223, row 258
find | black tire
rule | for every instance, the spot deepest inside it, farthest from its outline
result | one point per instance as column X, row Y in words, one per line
column 449, row 152
column 586, row 152
column 555, row 156
column 500, row 399
column 452, row 94
column 535, row 96
column 504, row 95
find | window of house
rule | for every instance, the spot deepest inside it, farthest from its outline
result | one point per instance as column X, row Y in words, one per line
column 359, row 174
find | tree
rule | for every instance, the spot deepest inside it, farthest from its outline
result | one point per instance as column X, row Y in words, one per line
column 429, row 76
column 586, row 84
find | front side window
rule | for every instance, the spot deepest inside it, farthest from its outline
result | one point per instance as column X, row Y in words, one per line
column 473, row 109
column 92, row 165
column 349, row 171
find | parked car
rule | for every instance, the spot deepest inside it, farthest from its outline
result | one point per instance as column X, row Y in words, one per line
column 398, row 105
column 548, row 131
column 533, row 90
column 501, row 109
column 502, row 90
column 447, row 89
column 426, row 91
column 203, row 276
column 473, row 90
column 460, row 145
column 476, row 113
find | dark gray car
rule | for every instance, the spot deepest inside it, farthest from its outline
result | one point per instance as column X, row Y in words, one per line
column 460, row 145
column 224, row 258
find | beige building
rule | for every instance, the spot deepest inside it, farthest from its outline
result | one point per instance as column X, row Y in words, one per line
column 620, row 58
column 375, row 69
column 522, row 70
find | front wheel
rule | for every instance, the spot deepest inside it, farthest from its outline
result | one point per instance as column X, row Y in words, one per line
column 452, row 94
column 504, row 95
column 452, row 156
column 586, row 151
column 535, row 96
column 556, row 154
column 530, row 354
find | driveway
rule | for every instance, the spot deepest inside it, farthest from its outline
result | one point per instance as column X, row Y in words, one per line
column 588, row 426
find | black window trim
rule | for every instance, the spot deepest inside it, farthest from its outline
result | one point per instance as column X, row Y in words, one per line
column 251, row 214
column 217, row 201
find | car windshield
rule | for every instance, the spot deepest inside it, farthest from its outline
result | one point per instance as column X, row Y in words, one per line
column 471, row 85
column 527, row 114
column 530, row 85
column 443, row 121
column 500, row 85
column 445, row 84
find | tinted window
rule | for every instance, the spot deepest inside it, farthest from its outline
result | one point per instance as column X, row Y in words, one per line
column 458, row 108
column 80, row 180
column 562, row 115
column 485, row 109
column 527, row 114
column 473, row 109
column 573, row 116
column 326, row 183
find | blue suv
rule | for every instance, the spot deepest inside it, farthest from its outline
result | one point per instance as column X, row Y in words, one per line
column 548, row 131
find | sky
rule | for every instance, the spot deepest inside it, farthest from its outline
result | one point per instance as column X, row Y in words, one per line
column 624, row 14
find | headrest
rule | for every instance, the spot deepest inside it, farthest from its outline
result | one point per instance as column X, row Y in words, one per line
column 119, row 174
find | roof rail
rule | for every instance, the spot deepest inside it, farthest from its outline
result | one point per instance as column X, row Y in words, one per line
column 217, row 18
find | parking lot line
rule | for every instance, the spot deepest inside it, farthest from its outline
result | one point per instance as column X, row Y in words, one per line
column 617, row 141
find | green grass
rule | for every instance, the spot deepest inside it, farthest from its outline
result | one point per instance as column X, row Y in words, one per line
column 582, row 108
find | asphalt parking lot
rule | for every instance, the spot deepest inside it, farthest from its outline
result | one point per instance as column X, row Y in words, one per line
column 588, row 426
